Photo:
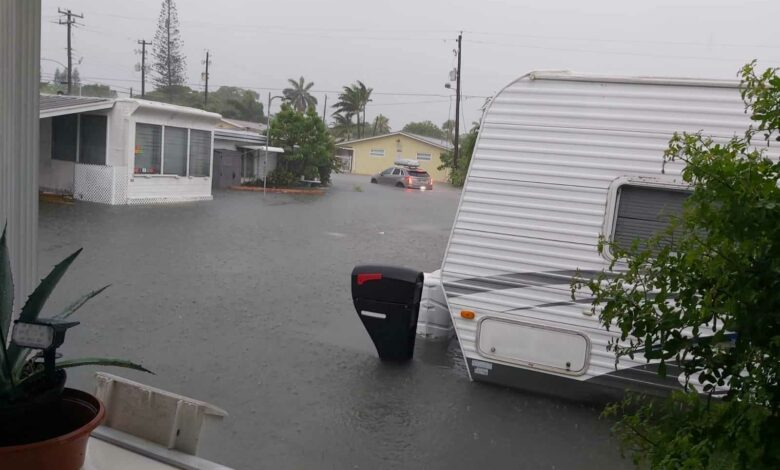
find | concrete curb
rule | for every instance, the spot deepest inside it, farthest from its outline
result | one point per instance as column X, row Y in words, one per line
column 311, row 192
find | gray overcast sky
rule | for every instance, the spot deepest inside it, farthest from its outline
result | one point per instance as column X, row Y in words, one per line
column 403, row 48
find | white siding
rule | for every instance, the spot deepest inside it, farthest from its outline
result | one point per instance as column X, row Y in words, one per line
column 20, row 44
column 163, row 188
column 536, row 196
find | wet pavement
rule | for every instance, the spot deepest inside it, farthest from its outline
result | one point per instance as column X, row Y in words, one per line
column 244, row 302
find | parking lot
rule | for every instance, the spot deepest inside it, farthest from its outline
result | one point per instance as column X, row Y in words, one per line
column 244, row 302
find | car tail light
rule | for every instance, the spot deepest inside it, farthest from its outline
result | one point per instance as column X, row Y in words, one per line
column 409, row 179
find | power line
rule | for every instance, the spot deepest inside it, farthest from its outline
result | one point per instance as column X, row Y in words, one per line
column 621, row 41
column 396, row 93
column 297, row 30
column 601, row 51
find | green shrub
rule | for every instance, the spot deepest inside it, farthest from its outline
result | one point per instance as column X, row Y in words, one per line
column 280, row 178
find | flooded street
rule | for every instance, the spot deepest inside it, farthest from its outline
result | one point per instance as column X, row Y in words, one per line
column 244, row 302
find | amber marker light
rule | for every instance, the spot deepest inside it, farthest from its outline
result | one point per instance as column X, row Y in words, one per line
column 467, row 314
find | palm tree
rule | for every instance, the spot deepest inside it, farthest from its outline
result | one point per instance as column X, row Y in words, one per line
column 298, row 95
column 342, row 126
column 352, row 102
column 348, row 105
column 364, row 97
column 381, row 125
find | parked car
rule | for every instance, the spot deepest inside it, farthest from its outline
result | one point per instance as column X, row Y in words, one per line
column 404, row 177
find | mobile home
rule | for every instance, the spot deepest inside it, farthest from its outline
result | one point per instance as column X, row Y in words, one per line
column 561, row 159
column 124, row 151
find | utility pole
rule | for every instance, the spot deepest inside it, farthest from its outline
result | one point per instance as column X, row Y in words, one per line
column 143, row 44
column 69, row 21
column 457, row 108
column 206, row 77
column 324, row 109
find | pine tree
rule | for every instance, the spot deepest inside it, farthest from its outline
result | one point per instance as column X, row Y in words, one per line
column 58, row 77
column 169, row 63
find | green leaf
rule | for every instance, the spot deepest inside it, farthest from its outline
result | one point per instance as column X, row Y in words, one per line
column 93, row 361
column 6, row 310
column 101, row 361
column 6, row 288
column 32, row 308
column 79, row 303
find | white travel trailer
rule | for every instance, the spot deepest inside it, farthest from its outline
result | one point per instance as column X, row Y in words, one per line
column 561, row 159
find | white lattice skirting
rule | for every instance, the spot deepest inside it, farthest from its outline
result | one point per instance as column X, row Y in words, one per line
column 98, row 183
column 166, row 200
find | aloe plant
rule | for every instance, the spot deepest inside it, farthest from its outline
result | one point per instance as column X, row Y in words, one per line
column 17, row 367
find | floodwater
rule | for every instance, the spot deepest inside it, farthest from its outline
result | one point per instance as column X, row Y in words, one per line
column 244, row 302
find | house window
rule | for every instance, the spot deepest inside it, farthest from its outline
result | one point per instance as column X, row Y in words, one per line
column 200, row 153
column 175, row 153
column 423, row 156
column 92, row 139
column 644, row 211
column 64, row 137
column 148, row 149
column 377, row 152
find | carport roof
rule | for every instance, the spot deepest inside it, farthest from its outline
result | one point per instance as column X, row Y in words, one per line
column 57, row 105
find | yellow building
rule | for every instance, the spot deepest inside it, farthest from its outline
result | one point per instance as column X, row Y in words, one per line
column 372, row 155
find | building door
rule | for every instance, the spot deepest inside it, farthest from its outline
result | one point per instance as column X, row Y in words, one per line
column 227, row 169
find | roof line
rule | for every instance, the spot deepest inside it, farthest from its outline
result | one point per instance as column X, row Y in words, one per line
column 411, row 136
column 565, row 75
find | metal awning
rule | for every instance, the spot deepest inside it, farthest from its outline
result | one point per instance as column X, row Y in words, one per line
column 262, row 147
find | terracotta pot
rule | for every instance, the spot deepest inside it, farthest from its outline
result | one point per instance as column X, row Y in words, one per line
column 81, row 413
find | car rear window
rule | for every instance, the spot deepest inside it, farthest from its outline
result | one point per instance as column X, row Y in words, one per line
column 418, row 173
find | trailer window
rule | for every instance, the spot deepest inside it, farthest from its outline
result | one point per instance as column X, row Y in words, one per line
column 64, row 137
column 92, row 139
column 175, row 151
column 148, row 149
column 200, row 153
column 644, row 211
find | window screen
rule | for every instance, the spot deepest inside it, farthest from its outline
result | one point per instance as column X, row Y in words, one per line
column 200, row 153
column 643, row 212
column 64, row 135
column 175, row 154
column 92, row 147
column 148, row 149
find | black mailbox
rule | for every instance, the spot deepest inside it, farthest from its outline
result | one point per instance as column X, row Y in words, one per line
column 387, row 300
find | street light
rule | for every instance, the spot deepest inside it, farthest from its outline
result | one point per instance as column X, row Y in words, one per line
column 267, row 139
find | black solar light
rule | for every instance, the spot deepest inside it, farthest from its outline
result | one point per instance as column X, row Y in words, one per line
column 44, row 334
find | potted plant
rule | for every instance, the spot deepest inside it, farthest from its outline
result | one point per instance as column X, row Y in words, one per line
column 43, row 425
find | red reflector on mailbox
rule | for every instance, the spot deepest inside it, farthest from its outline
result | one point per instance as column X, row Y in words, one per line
column 362, row 278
